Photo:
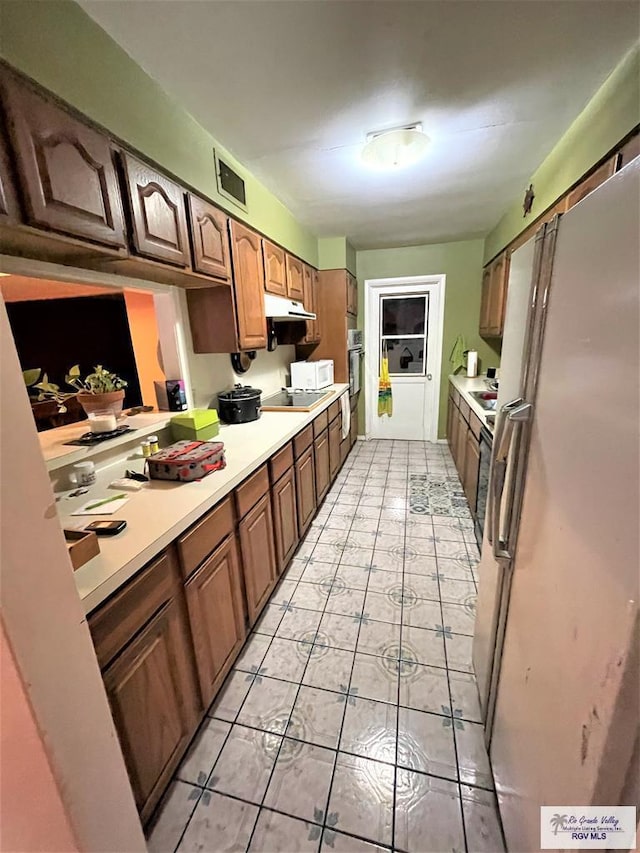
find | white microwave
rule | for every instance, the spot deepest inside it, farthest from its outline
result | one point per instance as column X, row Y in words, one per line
column 312, row 375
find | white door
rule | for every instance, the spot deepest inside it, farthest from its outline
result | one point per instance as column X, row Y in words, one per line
column 403, row 316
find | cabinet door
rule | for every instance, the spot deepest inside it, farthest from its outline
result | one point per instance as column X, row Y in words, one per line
column 335, row 437
column 485, row 303
column 258, row 556
column 315, row 289
column 472, row 465
column 305, row 489
column 451, row 410
column 214, row 600
column 592, row 182
column 629, row 151
column 275, row 272
column 461, row 449
column 66, row 169
column 352, row 295
column 498, row 294
column 248, row 279
column 209, row 229
column 9, row 208
column 285, row 518
column 455, row 423
column 158, row 213
column 151, row 688
column 295, row 284
column 321, row 455
column 310, row 303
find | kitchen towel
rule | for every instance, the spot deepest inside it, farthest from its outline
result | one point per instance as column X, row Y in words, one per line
column 385, row 399
column 345, row 407
column 457, row 354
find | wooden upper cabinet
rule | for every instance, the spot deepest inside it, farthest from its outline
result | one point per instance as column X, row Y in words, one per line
column 66, row 169
column 258, row 556
column 495, row 280
column 275, row 269
column 209, row 229
column 248, row 276
column 158, row 214
column 485, row 301
column 592, row 182
column 150, row 688
column 295, row 282
column 309, row 279
column 629, row 151
column 315, row 287
column 9, row 207
column 352, row 295
column 214, row 600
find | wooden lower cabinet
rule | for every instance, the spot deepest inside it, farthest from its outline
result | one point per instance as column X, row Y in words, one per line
column 335, row 439
column 258, row 556
column 216, row 614
column 151, row 690
column 471, row 468
column 323, row 470
column 305, row 489
column 285, row 518
column 461, row 439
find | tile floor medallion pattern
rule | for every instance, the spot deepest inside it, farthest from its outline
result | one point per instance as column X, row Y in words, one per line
column 350, row 721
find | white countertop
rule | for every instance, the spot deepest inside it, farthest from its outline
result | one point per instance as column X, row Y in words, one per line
column 464, row 385
column 162, row 510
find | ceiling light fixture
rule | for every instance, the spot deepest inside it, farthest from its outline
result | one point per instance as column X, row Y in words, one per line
column 395, row 148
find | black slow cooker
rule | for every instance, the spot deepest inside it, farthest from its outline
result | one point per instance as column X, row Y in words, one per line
column 240, row 405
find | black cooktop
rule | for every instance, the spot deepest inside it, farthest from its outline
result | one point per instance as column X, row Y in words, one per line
column 294, row 399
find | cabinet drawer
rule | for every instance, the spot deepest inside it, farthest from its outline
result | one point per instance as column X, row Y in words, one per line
column 475, row 424
column 204, row 537
column 250, row 492
column 334, row 410
column 302, row 440
column 117, row 621
column 465, row 409
column 280, row 462
column 320, row 423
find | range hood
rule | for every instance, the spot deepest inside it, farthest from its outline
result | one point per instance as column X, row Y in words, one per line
column 279, row 308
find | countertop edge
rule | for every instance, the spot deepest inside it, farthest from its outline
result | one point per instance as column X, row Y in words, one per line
column 465, row 384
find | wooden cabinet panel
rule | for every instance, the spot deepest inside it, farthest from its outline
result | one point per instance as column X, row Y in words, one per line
column 495, row 280
column 116, row 622
column 310, row 303
column 302, row 440
column 248, row 274
column 152, row 693
column 285, row 518
column 275, row 271
column 158, row 214
column 629, row 151
column 485, row 302
column 258, row 556
column 321, row 457
column 334, row 410
column 209, row 230
column 9, row 207
column 352, row 295
column 280, row 462
column 251, row 490
column 335, row 439
column 315, row 290
column 305, row 489
column 451, row 417
column 592, row 182
column 214, row 601
column 295, row 283
column 471, row 467
column 66, row 168
column 455, row 423
column 461, row 449
column 320, row 423
column 206, row 534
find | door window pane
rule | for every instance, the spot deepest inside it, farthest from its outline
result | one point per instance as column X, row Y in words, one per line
column 403, row 315
column 406, row 355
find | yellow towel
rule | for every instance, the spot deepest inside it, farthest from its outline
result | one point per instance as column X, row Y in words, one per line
column 457, row 354
column 385, row 400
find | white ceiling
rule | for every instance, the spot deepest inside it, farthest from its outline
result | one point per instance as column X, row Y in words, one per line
column 292, row 88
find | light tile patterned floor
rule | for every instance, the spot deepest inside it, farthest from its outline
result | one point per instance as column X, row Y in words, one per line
column 351, row 719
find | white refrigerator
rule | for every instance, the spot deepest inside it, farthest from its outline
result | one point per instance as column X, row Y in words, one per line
column 556, row 637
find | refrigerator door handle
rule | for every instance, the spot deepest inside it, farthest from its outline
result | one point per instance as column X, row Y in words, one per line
column 515, row 414
column 496, row 478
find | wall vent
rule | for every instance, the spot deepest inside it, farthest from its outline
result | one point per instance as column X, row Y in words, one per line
column 230, row 184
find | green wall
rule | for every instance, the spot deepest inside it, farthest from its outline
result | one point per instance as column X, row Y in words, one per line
column 336, row 253
column 60, row 46
column 610, row 115
column 462, row 264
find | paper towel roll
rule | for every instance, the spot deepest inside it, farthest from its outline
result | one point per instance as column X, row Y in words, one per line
column 472, row 363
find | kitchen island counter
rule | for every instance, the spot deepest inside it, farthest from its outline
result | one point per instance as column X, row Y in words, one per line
column 162, row 510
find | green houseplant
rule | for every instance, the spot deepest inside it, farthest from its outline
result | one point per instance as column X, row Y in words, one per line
column 98, row 391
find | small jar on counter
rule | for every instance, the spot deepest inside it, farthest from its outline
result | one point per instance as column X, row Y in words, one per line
column 145, row 446
column 153, row 442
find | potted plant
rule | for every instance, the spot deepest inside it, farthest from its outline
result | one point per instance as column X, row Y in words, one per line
column 98, row 391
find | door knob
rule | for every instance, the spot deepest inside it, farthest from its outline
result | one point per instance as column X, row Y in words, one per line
column 429, row 377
